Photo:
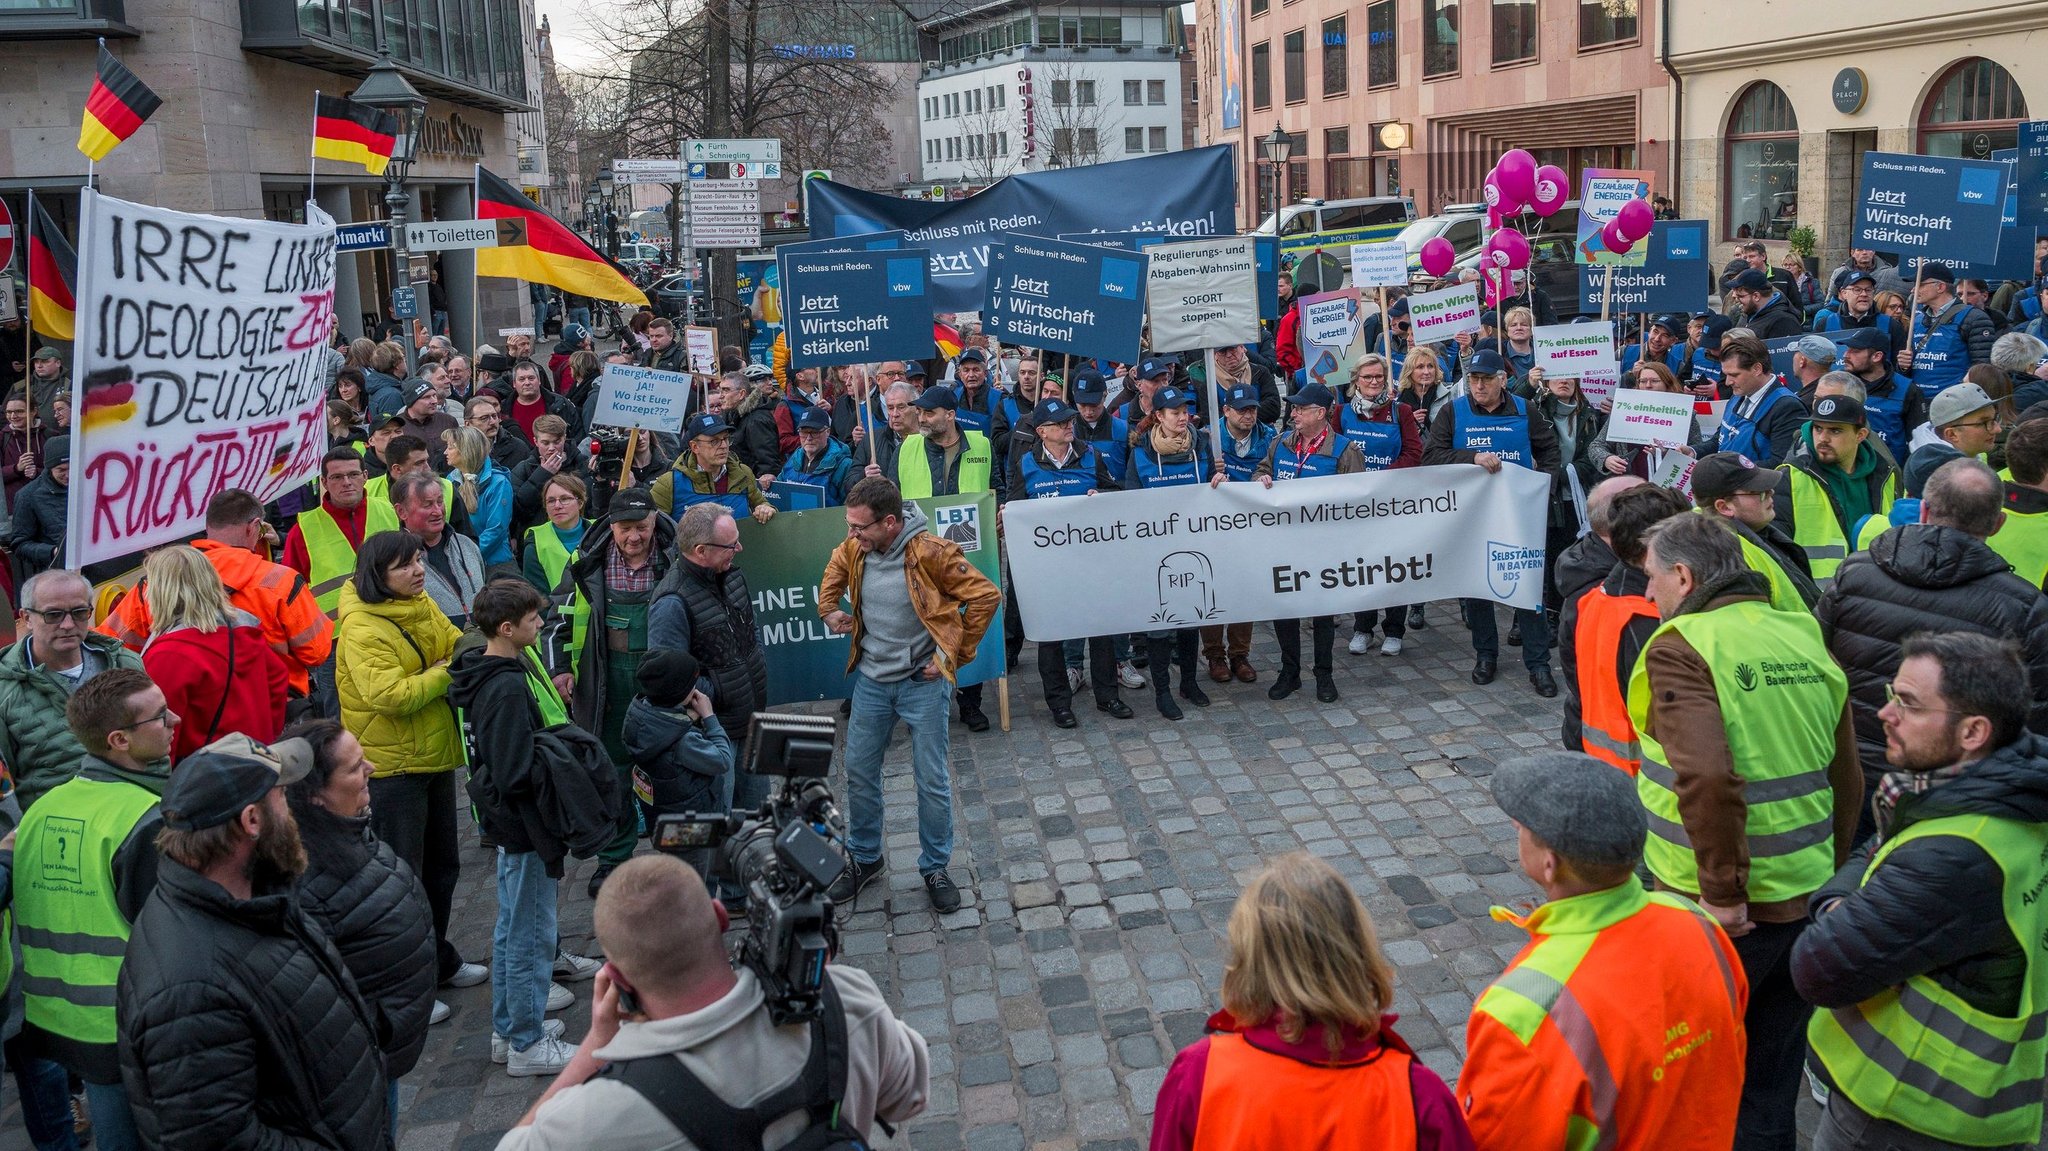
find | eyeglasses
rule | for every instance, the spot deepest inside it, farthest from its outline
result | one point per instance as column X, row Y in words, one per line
column 1891, row 696
column 854, row 529
column 81, row 616
column 1985, row 424
column 731, row 547
column 167, row 717
column 1369, row 378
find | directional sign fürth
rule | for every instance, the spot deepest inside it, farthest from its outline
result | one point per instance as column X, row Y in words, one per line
column 763, row 151
column 456, row 235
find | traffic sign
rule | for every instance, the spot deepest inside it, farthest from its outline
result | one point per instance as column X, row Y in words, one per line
column 716, row 220
column 362, row 237
column 738, row 235
column 648, row 171
column 443, row 237
column 763, row 151
column 405, row 304
column 511, row 231
column 724, row 186
column 6, row 235
column 736, row 200
column 766, row 170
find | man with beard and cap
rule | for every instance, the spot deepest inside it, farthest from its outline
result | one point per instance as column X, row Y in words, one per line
column 1666, row 345
column 239, row 1023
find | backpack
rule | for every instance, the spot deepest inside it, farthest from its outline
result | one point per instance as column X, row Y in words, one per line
column 712, row 1124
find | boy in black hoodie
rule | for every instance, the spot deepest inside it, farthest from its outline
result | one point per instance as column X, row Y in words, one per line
column 504, row 684
column 682, row 758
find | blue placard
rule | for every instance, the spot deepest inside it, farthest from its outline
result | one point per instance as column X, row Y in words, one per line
column 856, row 307
column 1674, row 276
column 405, row 304
column 867, row 242
column 1081, row 299
column 362, row 237
column 790, row 496
column 1940, row 207
column 2032, row 174
column 2015, row 261
column 2010, row 157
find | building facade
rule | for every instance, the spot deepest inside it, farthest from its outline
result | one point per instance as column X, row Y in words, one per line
column 1011, row 88
column 1776, row 114
column 234, row 134
column 1419, row 97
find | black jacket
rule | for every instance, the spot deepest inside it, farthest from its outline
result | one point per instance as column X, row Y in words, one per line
column 556, row 404
column 756, row 441
column 1924, row 577
column 503, row 766
column 1934, row 908
column 588, row 701
column 711, row 616
column 1578, row 569
column 241, row 1027
column 529, row 485
column 1778, row 318
column 40, row 512
column 1588, row 423
column 1438, row 449
column 373, row 907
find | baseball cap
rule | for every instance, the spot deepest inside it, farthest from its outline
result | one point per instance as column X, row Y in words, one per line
column 971, row 356
column 1675, row 325
column 1722, row 474
column 214, row 784
column 1486, row 362
column 1241, row 398
column 1816, row 348
column 1955, row 402
column 1090, row 388
column 1859, row 277
column 705, row 424
column 913, row 370
column 1868, row 339
column 630, row 505
column 1930, row 270
column 1581, row 808
column 1154, row 368
column 815, row 418
column 46, row 352
column 1398, row 308
column 1751, row 280
column 1714, row 329
column 1172, row 397
column 1053, row 412
column 1310, row 395
column 1842, row 410
column 938, row 396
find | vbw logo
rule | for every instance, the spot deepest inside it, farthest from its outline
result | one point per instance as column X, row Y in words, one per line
column 1506, row 564
column 906, row 277
column 1745, row 677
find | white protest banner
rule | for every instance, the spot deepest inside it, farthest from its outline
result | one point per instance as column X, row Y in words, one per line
column 1305, row 547
column 1575, row 349
column 702, row 346
column 1710, row 420
column 1674, row 471
column 645, row 398
column 1203, row 293
column 1330, row 321
column 1599, row 388
column 526, row 331
column 1640, row 417
column 1379, row 265
column 200, row 365
column 1437, row 316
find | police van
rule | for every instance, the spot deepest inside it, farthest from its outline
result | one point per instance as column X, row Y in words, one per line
column 1316, row 235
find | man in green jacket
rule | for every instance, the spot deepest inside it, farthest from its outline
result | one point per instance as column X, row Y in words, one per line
column 59, row 653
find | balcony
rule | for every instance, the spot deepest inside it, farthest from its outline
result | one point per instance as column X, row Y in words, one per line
column 469, row 52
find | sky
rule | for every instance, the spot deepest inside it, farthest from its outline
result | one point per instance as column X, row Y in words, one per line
column 576, row 43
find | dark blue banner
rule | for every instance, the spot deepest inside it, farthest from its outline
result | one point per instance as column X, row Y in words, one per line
column 1675, row 277
column 856, row 307
column 1266, row 250
column 868, row 242
column 1940, row 207
column 2033, row 174
column 1076, row 298
column 2015, row 261
column 2010, row 157
column 1187, row 195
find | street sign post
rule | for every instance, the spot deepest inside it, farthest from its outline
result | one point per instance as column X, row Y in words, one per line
column 757, row 170
column 405, row 304
column 647, row 171
column 506, row 232
column 764, row 151
column 362, row 237
column 739, row 234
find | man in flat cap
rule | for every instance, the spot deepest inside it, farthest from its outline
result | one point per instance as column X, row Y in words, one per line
column 1620, row 1024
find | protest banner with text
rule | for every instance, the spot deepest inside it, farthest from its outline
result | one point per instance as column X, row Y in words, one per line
column 1380, row 265
column 1602, row 194
column 1305, row 547
column 856, row 307
column 1675, row 275
column 1643, row 417
column 1074, row 298
column 1575, row 349
column 1438, row 316
column 1196, row 293
column 1939, row 207
column 701, row 344
column 200, row 365
column 1331, row 324
column 645, row 398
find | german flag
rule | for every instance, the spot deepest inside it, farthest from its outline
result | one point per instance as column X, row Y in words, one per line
column 118, row 104
column 353, row 133
column 52, row 276
column 552, row 253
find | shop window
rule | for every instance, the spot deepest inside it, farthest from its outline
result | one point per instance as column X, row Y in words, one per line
column 1974, row 109
column 1762, row 165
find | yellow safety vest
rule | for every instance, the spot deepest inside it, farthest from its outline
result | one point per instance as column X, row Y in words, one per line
column 2023, row 541
column 332, row 557
column 1817, row 529
column 914, row 467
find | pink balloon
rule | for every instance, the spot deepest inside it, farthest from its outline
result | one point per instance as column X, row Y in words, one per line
column 1517, row 172
column 1510, row 248
column 1496, row 200
column 1610, row 235
column 1438, row 255
column 1553, row 188
column 1635, row 220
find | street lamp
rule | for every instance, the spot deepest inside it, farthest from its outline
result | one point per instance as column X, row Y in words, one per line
column 592, row 205
column 611, row 215
column 386, row 88
column 1278, row 146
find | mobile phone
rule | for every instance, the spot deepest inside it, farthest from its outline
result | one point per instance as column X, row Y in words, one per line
column 629, row 1003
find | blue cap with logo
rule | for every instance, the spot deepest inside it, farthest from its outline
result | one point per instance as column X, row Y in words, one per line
column 1485, row 362
column 1310, row 395
column 1053, row 412
column 1241, row 398
column 1152, row 369
column 706, row 424
column 1173, row 397
column 815, row 419
column 1090, row 388
column 1711, row 333
column 972, row 356
column 913, row 369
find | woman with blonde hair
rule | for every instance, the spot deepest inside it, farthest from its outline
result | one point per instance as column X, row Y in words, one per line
column 217, row 673
column 1303, row 1054
column 486, row 494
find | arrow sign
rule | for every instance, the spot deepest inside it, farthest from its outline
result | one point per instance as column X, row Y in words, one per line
column 457, row 235
column 511, row 231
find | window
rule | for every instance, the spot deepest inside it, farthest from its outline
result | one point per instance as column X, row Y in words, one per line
column 1134, row 140
column 1363, row 216
column 1975, row 109
column 1134, row 92
column 1336, row 141
column 1514, row 31
column 998, row 96
column 1439, row 38
column 1062, row 92
column 1606, row 22
column 1262, row 75
column 1002, row 143
column 974, row 100
column 1086, row 141
column 1155, row 91
column 1295, row 65
column 952, row 103
column 1382, row 60
column 1336, row 77
column 1084, row 92
column 1258, row 7
column 1762, row 165
column 1158, row 137
column 1195, row 91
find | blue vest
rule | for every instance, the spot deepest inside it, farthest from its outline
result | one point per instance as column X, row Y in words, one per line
column 1151, row 473
column 1704, row 370
column 1288, row 466
column 1237, row 467
column 1011, row 412
column 975, row 419
column 1829, row 319
column 1740, row 434
column 684, row 499
column 1886, row 415
column 1076, row 479
column 1379, row 442
column 1506, row 436
column 1115, row 449
column 1674, row 358
column 829, row 473
column 1942, row 357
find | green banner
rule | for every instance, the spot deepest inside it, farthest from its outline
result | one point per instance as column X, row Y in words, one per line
column 784, row 560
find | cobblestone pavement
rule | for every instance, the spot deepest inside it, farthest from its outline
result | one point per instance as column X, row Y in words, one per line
column 1103, row 863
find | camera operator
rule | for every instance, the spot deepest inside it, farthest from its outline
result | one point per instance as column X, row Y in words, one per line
column 686, row 1035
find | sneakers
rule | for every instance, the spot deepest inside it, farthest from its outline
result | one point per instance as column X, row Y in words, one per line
column 1075, row 678
column 945, row 895
column 501, row 1048
column 559, row 996
column 81, row 1121
column 439, row 1014
column 468, row 975
column 546, row 1057
column 1417, row 618
column 1361, row 641
column 850, row 882
column 573, row 968
column 1391, row 645
column 1126, row 675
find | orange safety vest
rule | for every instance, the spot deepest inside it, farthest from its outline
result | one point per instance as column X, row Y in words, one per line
column 1605, row 728
column 1254, row 1100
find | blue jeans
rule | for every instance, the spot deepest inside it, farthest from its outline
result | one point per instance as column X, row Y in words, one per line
column 113, row 1124
column 45, row 1099
column 924, row 706
column 1077, row 649
column 522, row 948
column 580, row 316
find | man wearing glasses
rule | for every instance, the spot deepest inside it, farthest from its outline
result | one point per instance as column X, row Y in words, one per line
column 704, row 606
column 1966, row 419
column 916, row 610
column 1731, row 486
column 57, row 654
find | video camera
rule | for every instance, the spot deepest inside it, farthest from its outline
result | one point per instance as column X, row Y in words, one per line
column 784, row 857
